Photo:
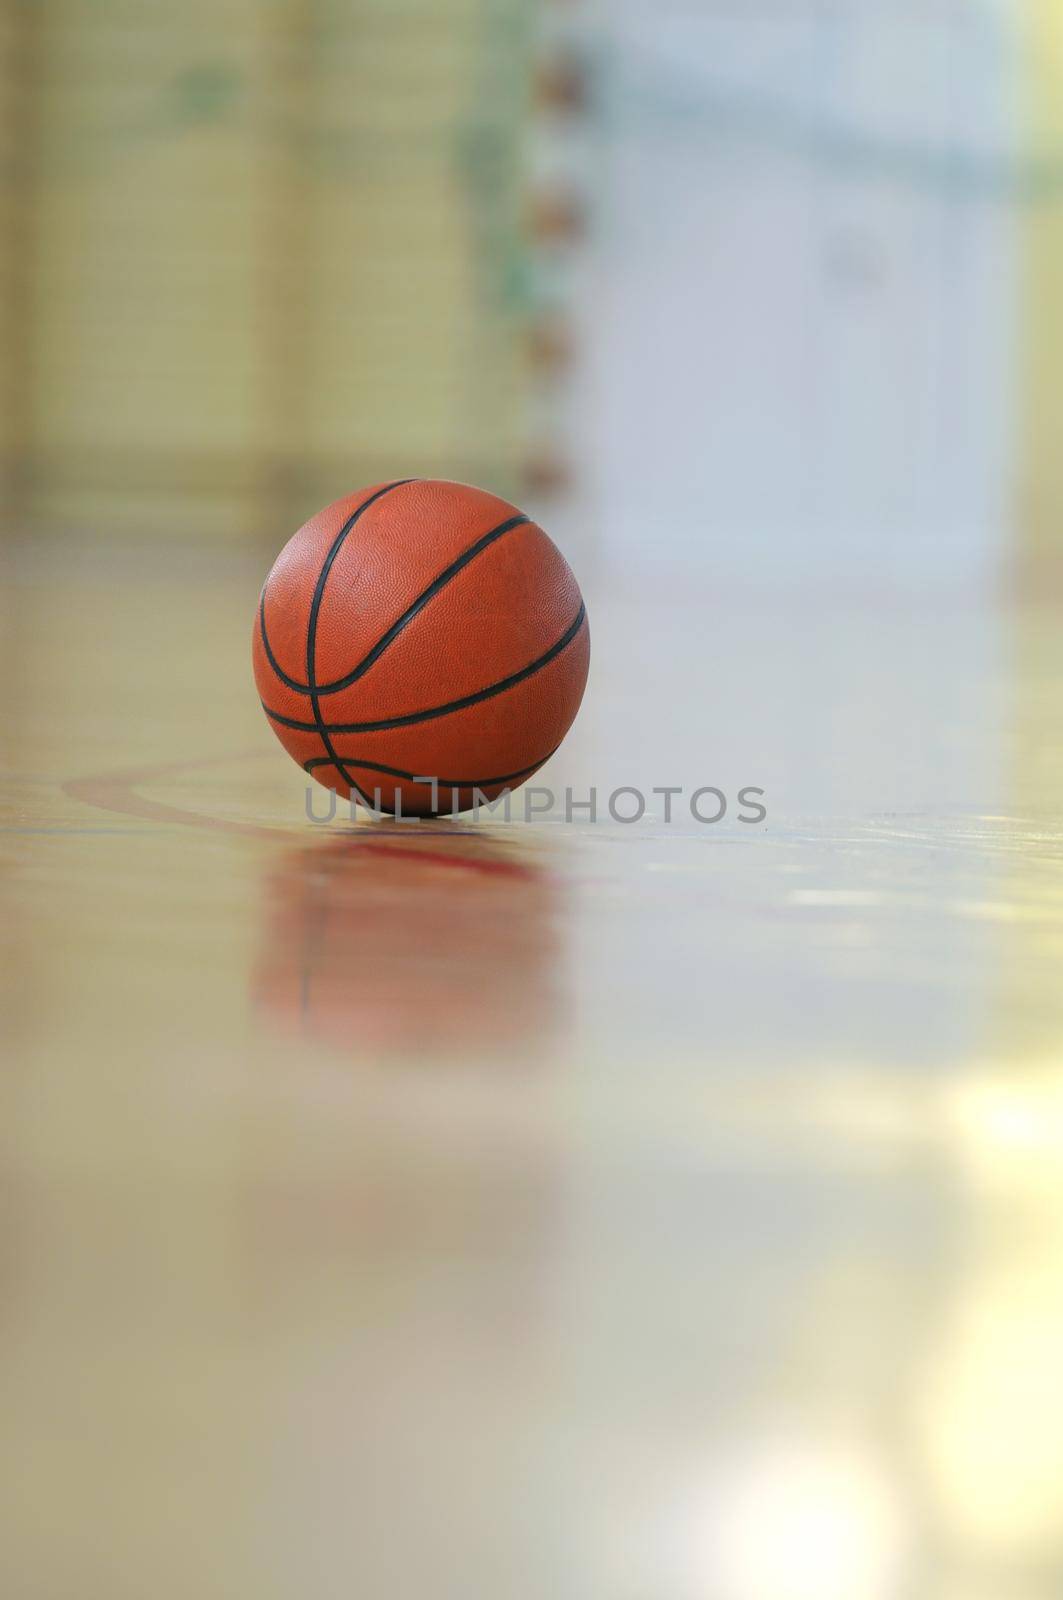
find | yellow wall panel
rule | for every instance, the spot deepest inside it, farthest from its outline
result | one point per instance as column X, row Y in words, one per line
column 270, row 247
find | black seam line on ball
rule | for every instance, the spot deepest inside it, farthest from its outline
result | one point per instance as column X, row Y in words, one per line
column 435, row 711
column 441, row 783
column 311, row 630
column 396, row 628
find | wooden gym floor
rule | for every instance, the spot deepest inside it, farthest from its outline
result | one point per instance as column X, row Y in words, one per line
column 534, row 1210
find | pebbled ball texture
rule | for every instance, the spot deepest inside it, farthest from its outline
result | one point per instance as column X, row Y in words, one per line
column 421, row 629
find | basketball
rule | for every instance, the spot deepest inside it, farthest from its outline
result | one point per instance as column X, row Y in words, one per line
column 419, row 645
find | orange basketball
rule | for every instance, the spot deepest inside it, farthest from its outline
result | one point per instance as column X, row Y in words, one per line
column 421, row 630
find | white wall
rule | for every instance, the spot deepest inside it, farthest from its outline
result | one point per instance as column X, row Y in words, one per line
column 798, row 318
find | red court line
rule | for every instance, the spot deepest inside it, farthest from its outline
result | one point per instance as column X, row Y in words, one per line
column 116, row 792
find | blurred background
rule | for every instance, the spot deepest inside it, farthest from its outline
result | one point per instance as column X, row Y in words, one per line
column 679, row 1216
column 259, row 249
column 793, row 263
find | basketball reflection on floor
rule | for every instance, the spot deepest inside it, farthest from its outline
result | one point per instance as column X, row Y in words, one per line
column 443, row 943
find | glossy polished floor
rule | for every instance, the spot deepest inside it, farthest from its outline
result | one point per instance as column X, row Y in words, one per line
column 643, row 1212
